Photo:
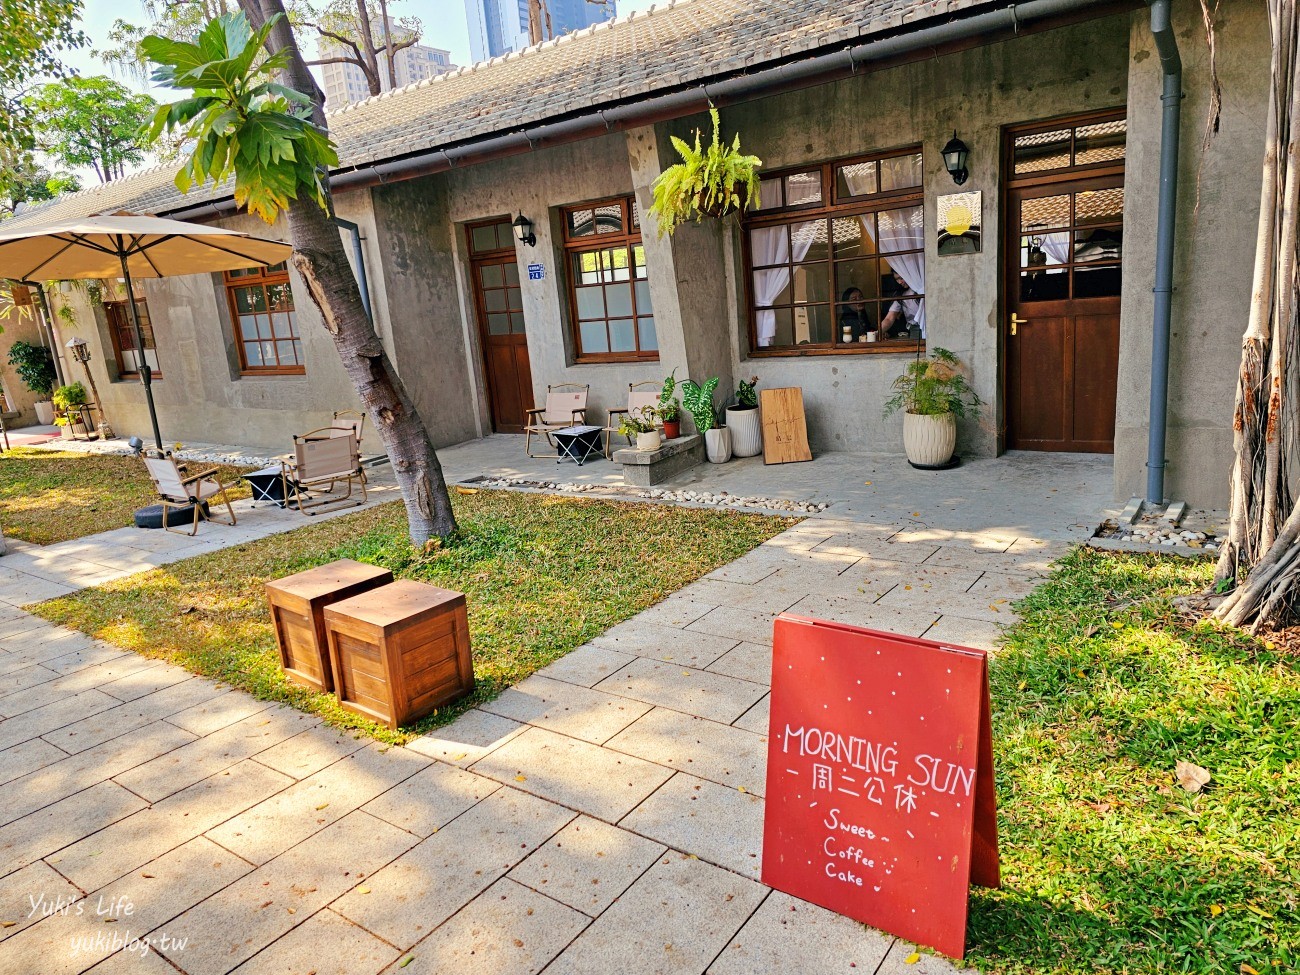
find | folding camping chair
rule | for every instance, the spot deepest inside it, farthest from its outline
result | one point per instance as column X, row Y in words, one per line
column 639, row 396
column 178, row 489
column 566, row 406
column 320, row 459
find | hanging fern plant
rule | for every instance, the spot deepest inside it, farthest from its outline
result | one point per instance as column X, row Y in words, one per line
column 708, row 182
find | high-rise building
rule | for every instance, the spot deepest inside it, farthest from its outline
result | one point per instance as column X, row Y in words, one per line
column 345, row 83
column 498, row 27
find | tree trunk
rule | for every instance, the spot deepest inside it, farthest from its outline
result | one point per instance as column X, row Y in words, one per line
column 388, row 45
column 320, row 259
column 368, row 52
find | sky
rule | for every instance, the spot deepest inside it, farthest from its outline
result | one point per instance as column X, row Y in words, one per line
column 444, row 27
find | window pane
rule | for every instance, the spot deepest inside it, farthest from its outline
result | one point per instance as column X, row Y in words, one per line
column 906, row 276
column 809, row 240
column 847, row 232
column 900, row 172
column 901, row 230
column 490, row 275
column 861, row 277
column 646, row 329
column 855, row 321
column 1097, row 282
column 511, row 274
column 775, row 328
column 1045, row 250
column 279, row 296
column 1099, row 206
column 582, row 223
column 247, row 327
column 280, row 326
column 250, row 299
column 811, row 283
column 638, row 260
column 591, row 303
column 1042, row 151
column 253, row 354
column 587, row 268
column 813, row 325
column 622, row 335
column 268, row 354
column 517, row 322
column 643, row 303
column 615, row 263
column 771, row 194
column 1046, row 212
column 609, row 218
column 285, row 349
column 514, row 299
column 618, row 300
column 856, row 179
column 494, row 300
column 594, row 339
column 297, row 353
column 484, row 238
column 1103, row 142
column 1046, row 285
column 263, row 327
column 498, row 324
column 636, row 215
column 772, row 287
column 768, row 246
column 1099, row 245
column 803, row 188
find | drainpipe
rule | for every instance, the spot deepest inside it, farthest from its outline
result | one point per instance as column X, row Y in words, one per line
column 1172, row 67
column 48, row 322
column 360, row 254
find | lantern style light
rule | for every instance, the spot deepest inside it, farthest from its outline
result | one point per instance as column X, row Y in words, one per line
column 79, row 349
column 524, row 231
column 955, row 154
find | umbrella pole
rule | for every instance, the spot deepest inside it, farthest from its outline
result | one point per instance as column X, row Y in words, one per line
column 145, row 372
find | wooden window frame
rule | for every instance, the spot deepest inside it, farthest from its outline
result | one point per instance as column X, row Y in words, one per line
column 499, row 251
column 831, row 207
column 115, row 339
column 629, row 237
column 262, row 277
column 1073, row 122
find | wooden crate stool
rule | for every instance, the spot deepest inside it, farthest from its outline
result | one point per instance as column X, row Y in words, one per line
column 400, row 651
column 297, row 611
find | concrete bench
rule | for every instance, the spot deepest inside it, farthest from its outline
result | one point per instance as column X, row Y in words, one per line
column 646, row 468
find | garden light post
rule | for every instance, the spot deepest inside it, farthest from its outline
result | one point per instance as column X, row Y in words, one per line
column 81, row 352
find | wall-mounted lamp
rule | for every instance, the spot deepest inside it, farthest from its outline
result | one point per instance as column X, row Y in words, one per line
column 955, row 154
column 79, row 349
column 524, row 231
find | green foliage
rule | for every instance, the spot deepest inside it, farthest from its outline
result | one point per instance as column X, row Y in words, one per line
column 26, row 181
column 95, row 123
column 642, row 421
column 746, row 393
column 35, row 367
column 933, row 387
column 699, row 402
column 670, row 407
column 34, row 34
column 707, row 182
column 238, row 120
column 69, row 396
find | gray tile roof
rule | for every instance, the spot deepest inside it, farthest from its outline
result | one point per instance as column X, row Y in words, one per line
column 685, row 42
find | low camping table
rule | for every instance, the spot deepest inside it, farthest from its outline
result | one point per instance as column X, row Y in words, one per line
column 267, row 485
column 577, row 443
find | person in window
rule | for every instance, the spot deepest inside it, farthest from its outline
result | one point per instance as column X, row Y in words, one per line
column 853, row 315
column 904, row 313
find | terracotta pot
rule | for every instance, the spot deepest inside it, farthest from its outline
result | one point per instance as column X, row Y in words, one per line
column 648, row 441
column 746, row 429
column 929, row 440
column 672, row 429
column 717, row 444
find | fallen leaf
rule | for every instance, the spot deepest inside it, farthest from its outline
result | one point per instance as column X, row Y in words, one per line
column 518, row 943
column 321, row 806
column 7, row 924
column 741, row 788
column 867, row 483
column 521, row 778
column 1247, row 970
column 291, row 910
column 1215, row 910
column 465, row 490
column 1191, row 777
column 912, row 959
column 363, row 890
column 406, row 961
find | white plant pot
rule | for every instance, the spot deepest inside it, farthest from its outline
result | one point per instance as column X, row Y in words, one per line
column 929, row 440
column 746, row 431
column 44, row 412
column 648, row 441
column 65, row 432
column 717, row 444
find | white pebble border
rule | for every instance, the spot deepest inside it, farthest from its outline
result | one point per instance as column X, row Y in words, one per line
column 1157, row 536
column 216, row 454
column 719, row 499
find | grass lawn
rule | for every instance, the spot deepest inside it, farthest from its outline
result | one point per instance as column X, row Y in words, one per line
column 49, row 496
column 542, row 574
column 1107, row 864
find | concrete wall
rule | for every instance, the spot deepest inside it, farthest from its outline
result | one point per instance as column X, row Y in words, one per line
column 22, row 324
column 1217, row 215
column 1067, row 70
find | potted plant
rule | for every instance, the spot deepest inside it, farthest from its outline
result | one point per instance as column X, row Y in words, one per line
column 932, row 393
column 68, row 401
column 743, row 420
column 35, row 367
column 641, row 425
column 699, row 404
column 707, row 182
column 670, row 408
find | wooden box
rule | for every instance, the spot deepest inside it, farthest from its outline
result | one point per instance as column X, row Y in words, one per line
column 400, row 651
column 297, row 613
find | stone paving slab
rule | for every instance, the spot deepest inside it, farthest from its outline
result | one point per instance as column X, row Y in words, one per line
column 911, row 621
column 720, row 825
column 739, row 625
column 573, row 773
column 665, row 643
column 990, row 607
column 467, row 739
column 64, row 822
column 506, row 930
column 720, row 753
column 146, row 681
column 32, row 688
column 407, row 899
column 875, row 577
column 588, row 864
column 714, row 696
column 747, row 661
column 307, row 753
column 430, row 799
column 960, row 632
column 221, row 712
column 673, row 921
column 587, row 665
column 18, row 760
column 790, row 935
column 28, row 896
column 43, row 720
column 325, row 944
column 761, row 597
column 140, row 713
column 579, row 712
column 757, row 718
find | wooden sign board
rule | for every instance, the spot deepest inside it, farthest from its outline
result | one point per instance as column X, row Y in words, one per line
column 880, row 800
column 785, row 428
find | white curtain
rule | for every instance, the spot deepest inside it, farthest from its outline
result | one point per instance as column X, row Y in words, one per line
column 769, row 246
column 1057, row 246
column 899, row 229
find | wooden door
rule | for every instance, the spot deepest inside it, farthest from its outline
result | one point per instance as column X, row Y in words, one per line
column 1063, row 249
column 504, row 340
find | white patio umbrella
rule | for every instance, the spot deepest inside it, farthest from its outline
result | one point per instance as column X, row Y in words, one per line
column 127, row 245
